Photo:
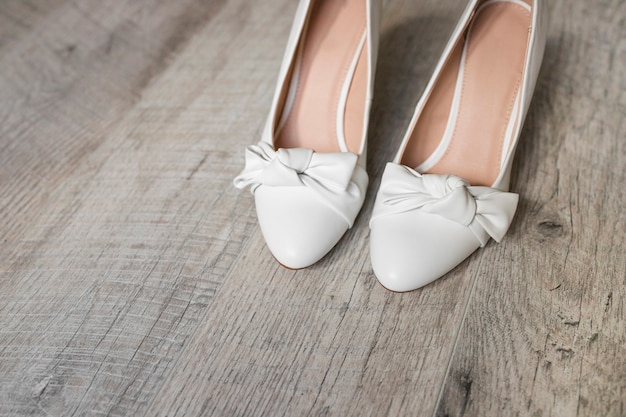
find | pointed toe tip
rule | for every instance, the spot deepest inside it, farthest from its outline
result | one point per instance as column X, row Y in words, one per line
column 300, row 230
column 397, row 274
column 411, row 250
column 292, row 256
column 396, row 282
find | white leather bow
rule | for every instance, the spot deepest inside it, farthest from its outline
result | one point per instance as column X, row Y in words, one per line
column 295, row 167
column 335, row 177
column 486, row 211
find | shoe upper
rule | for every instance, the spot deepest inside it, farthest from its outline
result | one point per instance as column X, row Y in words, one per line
column 306, row 200
column 423, row 225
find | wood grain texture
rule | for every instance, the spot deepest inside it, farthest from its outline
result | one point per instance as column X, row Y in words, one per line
column 544, row 331
column 134, row 279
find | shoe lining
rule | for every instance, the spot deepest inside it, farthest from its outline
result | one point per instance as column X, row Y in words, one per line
column 465, row 127
column 324, row 108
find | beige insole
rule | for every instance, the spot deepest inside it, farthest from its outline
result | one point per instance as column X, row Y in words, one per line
column 497, row 41
column 328, row 49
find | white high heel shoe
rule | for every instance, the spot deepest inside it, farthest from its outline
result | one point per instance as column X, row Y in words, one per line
column 307, row 174
column 445, row 194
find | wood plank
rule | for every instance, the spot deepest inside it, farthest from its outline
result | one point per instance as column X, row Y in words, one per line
column 68, row 71
column 104, row 235
column 544, row 332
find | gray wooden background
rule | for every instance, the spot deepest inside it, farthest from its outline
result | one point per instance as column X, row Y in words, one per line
column 134, row 280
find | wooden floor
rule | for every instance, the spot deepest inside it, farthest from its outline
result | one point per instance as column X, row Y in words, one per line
column 134, row 280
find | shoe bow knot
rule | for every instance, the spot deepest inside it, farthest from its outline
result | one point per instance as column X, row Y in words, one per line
column 335, row 177
column 295, row 167
column 486, row 211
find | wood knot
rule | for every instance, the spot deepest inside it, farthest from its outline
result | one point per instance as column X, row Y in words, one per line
column 566, row 353
column 550, row 228
column 466, row 384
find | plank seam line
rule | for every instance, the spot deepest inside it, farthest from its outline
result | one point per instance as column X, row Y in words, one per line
column 456, row 339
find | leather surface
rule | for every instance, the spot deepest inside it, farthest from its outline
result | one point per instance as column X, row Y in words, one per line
column 486, row 211
column 422, row 229
column 307, row 197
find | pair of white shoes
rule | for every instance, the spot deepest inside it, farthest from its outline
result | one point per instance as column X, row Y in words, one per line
column 445, row 194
